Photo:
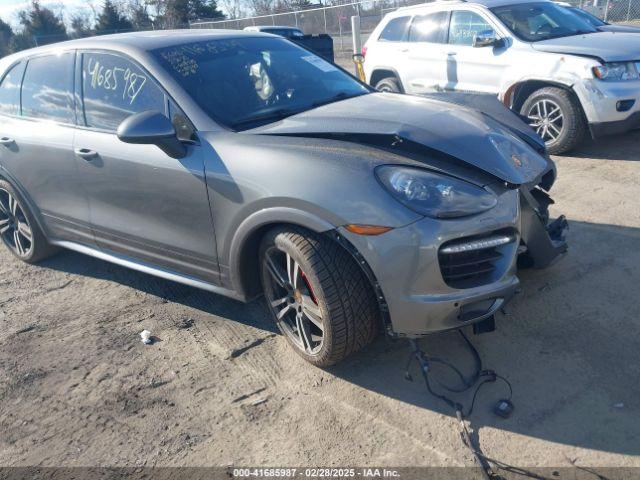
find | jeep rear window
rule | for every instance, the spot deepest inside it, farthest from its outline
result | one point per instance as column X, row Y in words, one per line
column 395, row 31
column 431, row 28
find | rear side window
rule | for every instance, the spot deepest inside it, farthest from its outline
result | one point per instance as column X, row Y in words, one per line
column 429, row 28
column 464, row 27
column 395, row 31
column 47, row 88
column 115, row 88
column 10, row 91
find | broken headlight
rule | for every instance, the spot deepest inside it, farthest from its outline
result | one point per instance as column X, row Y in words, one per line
column 434, row 194
column 612, row 72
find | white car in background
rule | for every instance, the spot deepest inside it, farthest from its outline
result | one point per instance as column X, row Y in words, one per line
column 542, row 60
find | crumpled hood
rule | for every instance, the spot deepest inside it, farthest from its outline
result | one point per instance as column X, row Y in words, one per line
column 606, row 46
column 452, row 129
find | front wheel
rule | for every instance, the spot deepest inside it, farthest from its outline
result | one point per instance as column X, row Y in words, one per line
column 318, row 295
column 389, row 84
column 556, row 115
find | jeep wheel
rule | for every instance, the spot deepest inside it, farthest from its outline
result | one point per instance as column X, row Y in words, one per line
column 389, row 84
column 318, row 295
column 18, row 228
column 557, row 117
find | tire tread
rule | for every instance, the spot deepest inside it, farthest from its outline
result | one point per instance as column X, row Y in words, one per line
column 352, row 305
column 576, row 127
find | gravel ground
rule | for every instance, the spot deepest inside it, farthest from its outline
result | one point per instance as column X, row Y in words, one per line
column 220, row 387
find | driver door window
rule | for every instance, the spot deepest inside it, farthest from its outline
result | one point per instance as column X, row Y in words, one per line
column 114, row 88
column 469, row 68
column 464, row 27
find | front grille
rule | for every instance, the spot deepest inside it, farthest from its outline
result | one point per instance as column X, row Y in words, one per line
column 473, row 261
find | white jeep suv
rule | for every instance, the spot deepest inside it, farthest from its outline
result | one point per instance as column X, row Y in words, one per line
column 542, row 60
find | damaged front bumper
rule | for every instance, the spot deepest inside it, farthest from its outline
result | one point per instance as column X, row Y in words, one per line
column 610, row 107
column 436, row 275
column 543, row 241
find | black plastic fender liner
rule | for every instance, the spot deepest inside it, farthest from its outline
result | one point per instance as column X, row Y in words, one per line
column 545, row 241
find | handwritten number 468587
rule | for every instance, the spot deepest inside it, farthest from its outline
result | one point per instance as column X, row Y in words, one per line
column 116, row 78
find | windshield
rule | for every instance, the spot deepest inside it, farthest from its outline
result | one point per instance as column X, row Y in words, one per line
column 586, row 16
column 246, row 82
column 533, row 22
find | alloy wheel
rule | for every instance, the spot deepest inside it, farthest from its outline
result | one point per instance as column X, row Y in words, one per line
column 293, row 301
column 15, row 229
column 546, row 118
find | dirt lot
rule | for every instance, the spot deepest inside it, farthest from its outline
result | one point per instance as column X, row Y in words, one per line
column 220, row 387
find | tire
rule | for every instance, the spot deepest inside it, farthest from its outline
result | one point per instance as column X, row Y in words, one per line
column 572, row 125
column 389, row 84
column 332, row 299
column 19, row 230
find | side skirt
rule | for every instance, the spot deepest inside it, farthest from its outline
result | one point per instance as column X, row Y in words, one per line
column 149, row 269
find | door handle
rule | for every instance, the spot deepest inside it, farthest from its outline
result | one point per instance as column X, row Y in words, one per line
column 452, row 53
column 86, row 154
column 7, row 141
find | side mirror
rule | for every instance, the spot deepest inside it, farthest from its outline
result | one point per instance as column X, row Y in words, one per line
column 486, row 38
column 152, row 128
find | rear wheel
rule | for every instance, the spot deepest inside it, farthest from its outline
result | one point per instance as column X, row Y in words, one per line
column 18, row 228
column 389, row 84
column 319, row 297
column 556, row 115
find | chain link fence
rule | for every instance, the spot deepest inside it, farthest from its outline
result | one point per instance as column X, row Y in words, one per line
column 612, row 11
column 336, row 20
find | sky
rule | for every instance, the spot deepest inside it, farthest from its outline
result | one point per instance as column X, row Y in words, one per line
column 9, row 8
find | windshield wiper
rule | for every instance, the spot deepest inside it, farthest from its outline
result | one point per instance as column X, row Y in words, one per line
column 282, row 113
column 272, row 115
column 570, row 34
column 336, row 98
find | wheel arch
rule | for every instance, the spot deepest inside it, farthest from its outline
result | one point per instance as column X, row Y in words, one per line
column 381, row 73
column 243, row 256
column 244, row 246
column 515, row 96
column 31, row 205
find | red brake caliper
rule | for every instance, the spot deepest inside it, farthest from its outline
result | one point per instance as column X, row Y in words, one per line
column 308, row 284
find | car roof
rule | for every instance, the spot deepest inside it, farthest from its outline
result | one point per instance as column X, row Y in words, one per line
column 484, row 3
column 138, row 41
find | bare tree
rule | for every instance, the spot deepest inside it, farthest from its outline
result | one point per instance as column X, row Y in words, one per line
column 138, row 12
column 262, row 7
column 234, row 8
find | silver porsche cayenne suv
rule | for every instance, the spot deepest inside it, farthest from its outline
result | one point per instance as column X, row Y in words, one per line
column 243, row 164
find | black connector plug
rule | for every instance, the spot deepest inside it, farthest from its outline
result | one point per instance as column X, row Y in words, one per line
column 504, row 408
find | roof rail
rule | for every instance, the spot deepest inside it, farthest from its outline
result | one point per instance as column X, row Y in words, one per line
column 419, row 5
